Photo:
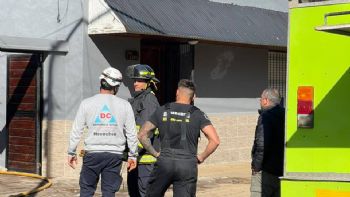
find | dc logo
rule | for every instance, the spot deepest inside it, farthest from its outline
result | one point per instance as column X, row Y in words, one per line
column 105, row 117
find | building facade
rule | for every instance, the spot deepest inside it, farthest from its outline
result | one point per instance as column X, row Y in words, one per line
column 51, row 54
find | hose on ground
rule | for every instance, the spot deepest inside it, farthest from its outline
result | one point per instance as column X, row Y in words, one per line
column 47, row 185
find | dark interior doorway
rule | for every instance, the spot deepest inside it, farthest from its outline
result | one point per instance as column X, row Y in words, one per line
column 171, row 62
column 23, row 113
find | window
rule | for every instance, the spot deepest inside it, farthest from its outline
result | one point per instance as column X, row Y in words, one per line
column 277, row 71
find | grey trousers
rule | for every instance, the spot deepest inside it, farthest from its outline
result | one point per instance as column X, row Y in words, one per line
column 265, row 184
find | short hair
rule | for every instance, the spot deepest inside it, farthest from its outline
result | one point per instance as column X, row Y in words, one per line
column 188, row 84
column 104, row 85
column 272, row 95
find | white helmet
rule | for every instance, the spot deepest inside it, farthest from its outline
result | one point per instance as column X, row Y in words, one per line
column 112, row 76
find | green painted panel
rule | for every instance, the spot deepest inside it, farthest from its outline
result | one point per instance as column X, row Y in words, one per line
column 314, row 189
column 321, row 60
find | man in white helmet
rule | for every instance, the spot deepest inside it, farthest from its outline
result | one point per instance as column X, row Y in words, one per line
column 110, row 123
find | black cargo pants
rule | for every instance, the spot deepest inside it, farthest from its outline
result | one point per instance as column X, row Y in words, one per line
column 138, row 180
column 108, row 165
column 182, row 173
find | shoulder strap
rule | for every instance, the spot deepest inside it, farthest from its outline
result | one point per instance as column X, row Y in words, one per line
column 166, row 120
column 185, row 129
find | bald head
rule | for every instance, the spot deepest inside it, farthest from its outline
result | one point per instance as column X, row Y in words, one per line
column 185, row 90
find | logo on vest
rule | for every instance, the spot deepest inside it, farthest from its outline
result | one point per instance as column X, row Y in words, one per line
column 105, row 118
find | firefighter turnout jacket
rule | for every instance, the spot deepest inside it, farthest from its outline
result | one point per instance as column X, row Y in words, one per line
column 144, row 103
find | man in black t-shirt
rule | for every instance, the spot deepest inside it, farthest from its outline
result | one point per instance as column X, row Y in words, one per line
column 179, row 126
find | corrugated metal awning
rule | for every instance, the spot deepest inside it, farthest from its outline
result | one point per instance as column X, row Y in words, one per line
column 9, row 43
column 276, row 5
column 203, row 20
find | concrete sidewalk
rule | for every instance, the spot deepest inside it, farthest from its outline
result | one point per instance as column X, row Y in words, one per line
column 214, row 180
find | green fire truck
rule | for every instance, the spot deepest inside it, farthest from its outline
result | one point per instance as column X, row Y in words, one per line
column 317, row 150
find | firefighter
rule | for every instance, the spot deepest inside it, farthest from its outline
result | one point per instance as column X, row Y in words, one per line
column 144, row 103
column 110, row 123
column 179, row 125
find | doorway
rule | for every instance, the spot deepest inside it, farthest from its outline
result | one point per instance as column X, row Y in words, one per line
column 24, row 113
column 171, row 62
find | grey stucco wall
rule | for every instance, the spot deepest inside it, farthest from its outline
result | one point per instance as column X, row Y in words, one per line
column 229, row 78
column 67, row 78
column 228, row 105
column 63, row 74
column 56, row 20
column 75, row 75
column 38, row 19
column 106, row 51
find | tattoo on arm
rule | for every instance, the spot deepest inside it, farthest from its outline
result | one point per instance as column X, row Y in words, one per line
column 143, row 137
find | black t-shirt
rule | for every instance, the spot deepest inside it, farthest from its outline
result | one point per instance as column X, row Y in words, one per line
column 171, row 119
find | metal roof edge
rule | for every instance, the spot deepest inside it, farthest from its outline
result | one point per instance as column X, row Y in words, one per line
column 257, row 5
column 154, row 23
column 252, row 7
column 200, row 39
column 11, row 43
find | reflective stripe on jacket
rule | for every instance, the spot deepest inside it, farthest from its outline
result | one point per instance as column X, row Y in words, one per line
column 144, row 103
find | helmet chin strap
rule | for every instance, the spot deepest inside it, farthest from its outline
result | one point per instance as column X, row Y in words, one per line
column 154, row 84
